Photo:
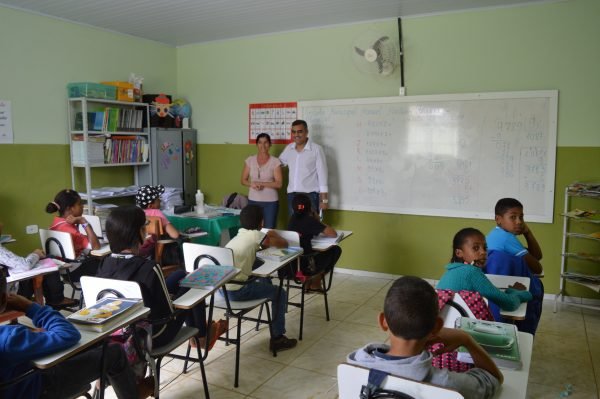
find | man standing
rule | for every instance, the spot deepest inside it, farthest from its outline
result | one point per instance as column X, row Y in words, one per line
column 307, row 168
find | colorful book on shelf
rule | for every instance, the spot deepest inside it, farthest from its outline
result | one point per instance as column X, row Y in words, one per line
column 105, row 314
column 279, row 254
column 208, row 276
column 500, row 341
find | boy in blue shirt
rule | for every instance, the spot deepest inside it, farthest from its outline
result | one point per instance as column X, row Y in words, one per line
column 411, row 315
column 507, row 256
column 19, row 345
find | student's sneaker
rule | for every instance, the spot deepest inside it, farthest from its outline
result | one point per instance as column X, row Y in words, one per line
column 282, row 343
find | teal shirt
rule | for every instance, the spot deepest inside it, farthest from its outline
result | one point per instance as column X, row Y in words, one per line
column 460, row 276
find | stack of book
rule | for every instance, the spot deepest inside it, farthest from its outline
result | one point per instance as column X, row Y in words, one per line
column 500, row 341
column 105, row 314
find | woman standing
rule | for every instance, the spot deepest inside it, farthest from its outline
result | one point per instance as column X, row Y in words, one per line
column 262, row 173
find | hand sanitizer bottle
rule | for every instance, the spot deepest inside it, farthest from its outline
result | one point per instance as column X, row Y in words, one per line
column 199, row 202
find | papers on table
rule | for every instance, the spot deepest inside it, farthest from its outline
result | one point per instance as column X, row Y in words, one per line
column 44, row 266
column 172, row 197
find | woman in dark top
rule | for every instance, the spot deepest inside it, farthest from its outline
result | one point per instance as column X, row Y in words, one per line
column 126, row 231
column 306, row 222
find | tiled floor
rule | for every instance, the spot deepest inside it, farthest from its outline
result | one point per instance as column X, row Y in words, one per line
column 566, row 351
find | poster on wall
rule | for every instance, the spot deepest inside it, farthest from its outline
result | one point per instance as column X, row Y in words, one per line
column 275, row 119
column 6, row 132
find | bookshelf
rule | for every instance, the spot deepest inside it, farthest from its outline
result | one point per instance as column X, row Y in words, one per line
column 105, row 134
column 580, row 262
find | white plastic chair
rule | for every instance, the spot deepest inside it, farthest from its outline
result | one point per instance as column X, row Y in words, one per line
column 59, row 244
column 95, row 288
column 196, row 255
column 351, row 379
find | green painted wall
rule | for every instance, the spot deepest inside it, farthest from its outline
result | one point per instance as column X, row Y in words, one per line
column 542, row 46
column 41, row 55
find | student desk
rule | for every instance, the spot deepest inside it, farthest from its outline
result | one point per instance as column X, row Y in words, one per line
column 218, row 228
column 321, row 243
column 89, row 338
column 502, row 282
column 196, row 295
column 515, row 381
column 37, row 275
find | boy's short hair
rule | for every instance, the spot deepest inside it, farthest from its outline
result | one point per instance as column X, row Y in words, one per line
column 411, row 308
column 504, row 204
column 251, row 217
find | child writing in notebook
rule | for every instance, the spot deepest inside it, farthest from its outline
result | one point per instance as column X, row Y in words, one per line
column 507, row 256
column 306, row 222
column 148, row 198
column 464, row 272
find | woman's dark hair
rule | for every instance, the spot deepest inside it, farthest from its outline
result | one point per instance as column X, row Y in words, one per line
column 459, row 241
column 301, row 205
column 123, row 227
column 265, row 135
column 63, row 200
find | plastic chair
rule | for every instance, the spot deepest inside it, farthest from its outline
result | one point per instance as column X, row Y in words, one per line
column 95, row 288
column 156, row 228
column 352, row 378
column 196, row 255
column 59, row 244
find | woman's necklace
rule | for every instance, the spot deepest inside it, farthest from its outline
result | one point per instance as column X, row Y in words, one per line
column 261, row 163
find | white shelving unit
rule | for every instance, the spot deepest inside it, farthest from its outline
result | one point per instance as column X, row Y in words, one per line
column 92, row 146
column 581, row 229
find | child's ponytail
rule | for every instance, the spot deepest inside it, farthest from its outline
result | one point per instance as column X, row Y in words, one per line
column 63, row 200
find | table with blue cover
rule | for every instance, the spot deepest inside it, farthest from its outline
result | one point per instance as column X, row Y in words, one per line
column 215, row 227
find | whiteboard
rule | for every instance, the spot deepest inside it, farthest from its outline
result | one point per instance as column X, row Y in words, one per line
column 444, row 155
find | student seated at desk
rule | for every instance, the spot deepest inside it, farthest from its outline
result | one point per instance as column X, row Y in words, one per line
column 70, row 210
column 244, row 246
column 148, row 198
column 126, row 230
column 306, row 222
column 507, row 256
column 19, row 345
column 410, row 316
column 52, row 285
column 465, row 272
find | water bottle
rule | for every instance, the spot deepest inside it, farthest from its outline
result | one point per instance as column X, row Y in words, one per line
column 199, row 202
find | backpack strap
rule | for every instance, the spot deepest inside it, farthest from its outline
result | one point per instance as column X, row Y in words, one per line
column 373, row 388
column 230, row 200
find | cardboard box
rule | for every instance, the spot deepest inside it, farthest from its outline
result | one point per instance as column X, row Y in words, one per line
column 125, row 91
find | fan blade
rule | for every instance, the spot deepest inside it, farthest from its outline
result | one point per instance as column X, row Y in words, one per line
column 380, row 64
column 378, row 43
column 359, row 51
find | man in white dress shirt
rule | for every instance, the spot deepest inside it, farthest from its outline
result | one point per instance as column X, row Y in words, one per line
column 307, row 168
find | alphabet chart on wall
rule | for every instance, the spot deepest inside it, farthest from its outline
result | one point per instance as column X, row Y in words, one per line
column 274, row 119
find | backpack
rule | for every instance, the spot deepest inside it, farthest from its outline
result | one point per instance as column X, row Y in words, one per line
column 235, row 201
column 480, row 310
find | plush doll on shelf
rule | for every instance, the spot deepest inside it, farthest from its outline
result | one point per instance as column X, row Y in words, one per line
column 160, row 110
